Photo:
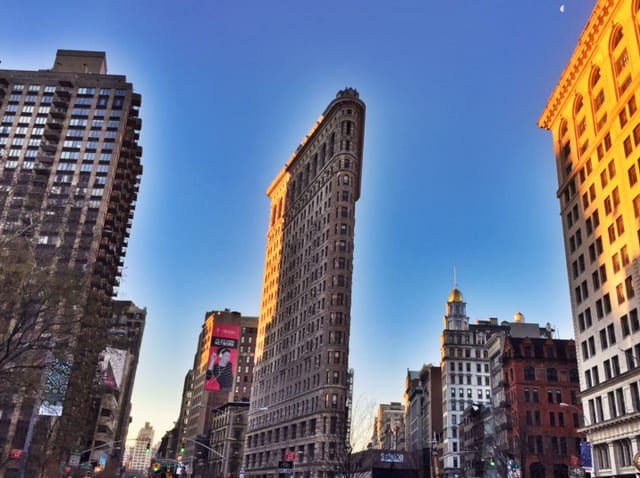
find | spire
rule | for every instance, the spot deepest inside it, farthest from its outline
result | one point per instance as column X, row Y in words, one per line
column 455, row 277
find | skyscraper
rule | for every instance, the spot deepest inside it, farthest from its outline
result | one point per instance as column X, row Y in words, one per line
column 69, row 173
column 301, row 387
column 595, row 124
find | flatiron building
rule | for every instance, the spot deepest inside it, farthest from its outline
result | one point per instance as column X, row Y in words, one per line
column 301, row 391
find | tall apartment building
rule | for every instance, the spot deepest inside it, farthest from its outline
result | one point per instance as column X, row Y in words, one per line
column 595, row 124
column 222, row 373
column 118, row 366
column 69, row 173
column 300, row 395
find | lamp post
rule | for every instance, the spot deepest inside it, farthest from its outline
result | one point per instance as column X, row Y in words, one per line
column 432, row 457
column 207, row 447
column 577, row 409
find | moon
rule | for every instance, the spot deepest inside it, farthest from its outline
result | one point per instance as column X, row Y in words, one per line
column 562, row 8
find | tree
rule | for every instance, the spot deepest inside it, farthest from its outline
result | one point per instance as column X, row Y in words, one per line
column 50, row 318
column 39, row 309
column 347, row 461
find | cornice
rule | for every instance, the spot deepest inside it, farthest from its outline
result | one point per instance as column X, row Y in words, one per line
column 588, row 42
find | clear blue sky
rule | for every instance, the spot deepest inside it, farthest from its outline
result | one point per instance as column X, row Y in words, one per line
column 456, row 172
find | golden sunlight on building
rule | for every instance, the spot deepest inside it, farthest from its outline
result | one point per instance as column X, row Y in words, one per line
column 302, row 384
column 593, row 116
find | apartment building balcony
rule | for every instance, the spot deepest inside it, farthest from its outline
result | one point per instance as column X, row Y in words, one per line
column 54, row 123
column 58, row 112
column 52, row 134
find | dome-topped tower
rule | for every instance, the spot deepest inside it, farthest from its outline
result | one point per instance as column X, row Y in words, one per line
column 455, row 296
column 456, row 316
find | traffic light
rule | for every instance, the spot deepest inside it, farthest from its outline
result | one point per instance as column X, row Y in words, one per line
column 148, row 449
column 156, row 467
column 182, row 448
column 492, row 462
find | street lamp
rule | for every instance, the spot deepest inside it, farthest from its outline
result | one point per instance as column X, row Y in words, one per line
column 585, row 447
column 577, row 409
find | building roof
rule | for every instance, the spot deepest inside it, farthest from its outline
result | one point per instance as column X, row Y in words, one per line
column 455, row 296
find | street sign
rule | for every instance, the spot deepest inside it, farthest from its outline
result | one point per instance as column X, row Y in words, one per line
column 289, row 456
column 15, row 454
column 391, row 457
column 576, row 472
column 285, row 467
column 74, row 459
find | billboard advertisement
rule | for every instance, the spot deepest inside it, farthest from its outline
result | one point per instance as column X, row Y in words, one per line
column 223, row 358
column 112, row 367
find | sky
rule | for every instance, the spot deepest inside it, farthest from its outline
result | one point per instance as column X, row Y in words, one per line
column 457, row 176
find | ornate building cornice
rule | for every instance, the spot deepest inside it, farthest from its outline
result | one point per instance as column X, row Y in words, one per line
column 587, row 43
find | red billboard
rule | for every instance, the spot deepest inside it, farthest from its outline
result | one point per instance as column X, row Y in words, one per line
column 223, row 358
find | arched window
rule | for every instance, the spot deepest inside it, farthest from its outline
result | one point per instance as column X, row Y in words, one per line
column 579, row 117
column 635, row 13
column 620, row 57
column 578, row 103
column 595, row 77
column 564, row 129
column 596, row 90
column 616, row 37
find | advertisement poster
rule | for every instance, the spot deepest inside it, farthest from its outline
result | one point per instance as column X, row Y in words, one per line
column 223, row 358
column 112, row 366
column 55, row 388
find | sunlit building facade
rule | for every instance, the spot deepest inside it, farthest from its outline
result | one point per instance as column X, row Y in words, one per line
column 389, row 427
column 594, row 119
column 302, row 385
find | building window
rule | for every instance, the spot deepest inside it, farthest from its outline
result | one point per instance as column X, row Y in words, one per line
column 529, row 373
column 601, row 453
